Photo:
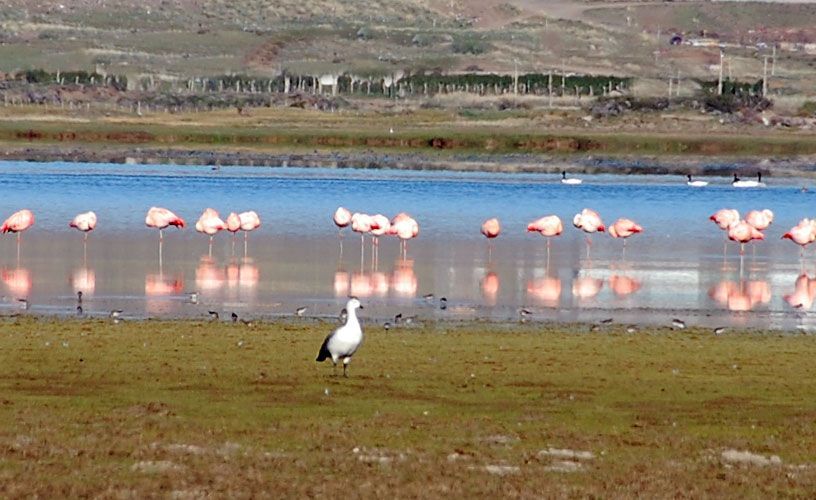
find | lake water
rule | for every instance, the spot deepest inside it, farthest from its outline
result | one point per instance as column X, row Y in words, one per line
column 676, row 268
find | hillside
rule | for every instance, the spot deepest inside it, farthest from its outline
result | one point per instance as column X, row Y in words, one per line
column 181, row 39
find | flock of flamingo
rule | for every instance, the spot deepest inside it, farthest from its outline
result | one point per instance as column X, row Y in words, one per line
column 405, row 227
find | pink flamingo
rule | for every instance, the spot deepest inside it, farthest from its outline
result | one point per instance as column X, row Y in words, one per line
column 624, row 228
column 742, row 232
column 725, row 217
column 760, row 219
column 380, row 225
column 491, row 229
column 589, row 222
column 803, row 234
column 361, row 223
column 17, row 223
column 342, row 218
column 160, row 218
column 233, row 223
column 548, row 226
column 249, row 222
column 84, row 222
column 404, row 227
column 210, row 223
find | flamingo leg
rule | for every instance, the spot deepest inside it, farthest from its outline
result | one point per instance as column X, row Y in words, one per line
column 742, row 251
column 362, row 251
column 233, row 244
column 246, row 240
column 209, row 251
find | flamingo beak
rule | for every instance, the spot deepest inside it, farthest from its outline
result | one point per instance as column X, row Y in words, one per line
column 601, row 228
column 787, row 236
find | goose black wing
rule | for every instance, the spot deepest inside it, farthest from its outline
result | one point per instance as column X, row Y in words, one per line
column 324, row 353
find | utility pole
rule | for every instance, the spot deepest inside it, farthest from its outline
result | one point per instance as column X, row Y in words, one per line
column 720, row 81
column 549, row 87
column 677, row 89
column 765, row 77
column 563, row 77
column 515, row 76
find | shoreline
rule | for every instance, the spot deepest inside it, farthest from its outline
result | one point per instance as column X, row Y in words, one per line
column 508, row 163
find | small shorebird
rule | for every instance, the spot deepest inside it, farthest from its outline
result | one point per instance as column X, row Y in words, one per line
column 342, row 343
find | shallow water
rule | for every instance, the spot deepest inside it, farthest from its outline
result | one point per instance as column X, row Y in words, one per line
column 676, row 268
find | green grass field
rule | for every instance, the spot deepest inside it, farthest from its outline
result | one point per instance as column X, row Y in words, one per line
column 434, row 132
column 186, row 409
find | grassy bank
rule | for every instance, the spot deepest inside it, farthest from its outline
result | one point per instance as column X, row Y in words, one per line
column 89, row 407
column 435, row 132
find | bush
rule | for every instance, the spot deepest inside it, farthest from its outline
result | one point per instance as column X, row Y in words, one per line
column 469, row 45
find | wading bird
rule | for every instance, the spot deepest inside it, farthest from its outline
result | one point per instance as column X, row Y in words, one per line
column 84, row 222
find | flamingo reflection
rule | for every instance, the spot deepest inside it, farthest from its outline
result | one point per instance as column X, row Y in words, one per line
column 404, row 279
column 83, row 280
column 208, row 276
column 341, row 284
column 490, row 288
column 18, row 281
column 545, row 290
column 624, row 285
column 158, row 286
column 804, row 293
column 249, row 275
column 585, row 287
column 742, row 296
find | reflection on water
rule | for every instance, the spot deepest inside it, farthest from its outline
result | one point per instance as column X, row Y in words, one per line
column 804, row 292
column 401, row 282
column 624, row 285
column 674, row 270
column 741, row 296
column 490, row 288
column 18, row 281
column 545, row 291
column 83, row 280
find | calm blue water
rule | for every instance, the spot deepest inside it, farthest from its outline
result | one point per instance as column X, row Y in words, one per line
column 676, row 266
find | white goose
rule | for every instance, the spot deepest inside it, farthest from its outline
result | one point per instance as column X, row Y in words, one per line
column 344, row 341
column 739, row 183
column 571, row 181
column 694, row 183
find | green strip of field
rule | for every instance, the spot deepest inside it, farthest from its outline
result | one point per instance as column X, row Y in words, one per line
column 345, row 135
column 149, row 408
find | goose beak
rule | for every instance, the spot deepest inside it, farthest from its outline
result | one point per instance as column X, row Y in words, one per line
column 361, row 306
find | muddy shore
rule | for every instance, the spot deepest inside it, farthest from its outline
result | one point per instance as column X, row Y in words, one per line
column 804, row 166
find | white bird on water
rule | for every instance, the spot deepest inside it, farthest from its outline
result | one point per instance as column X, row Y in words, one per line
column 574, row 181
column 691, row 182
column 739, row 183
column 344, row 342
